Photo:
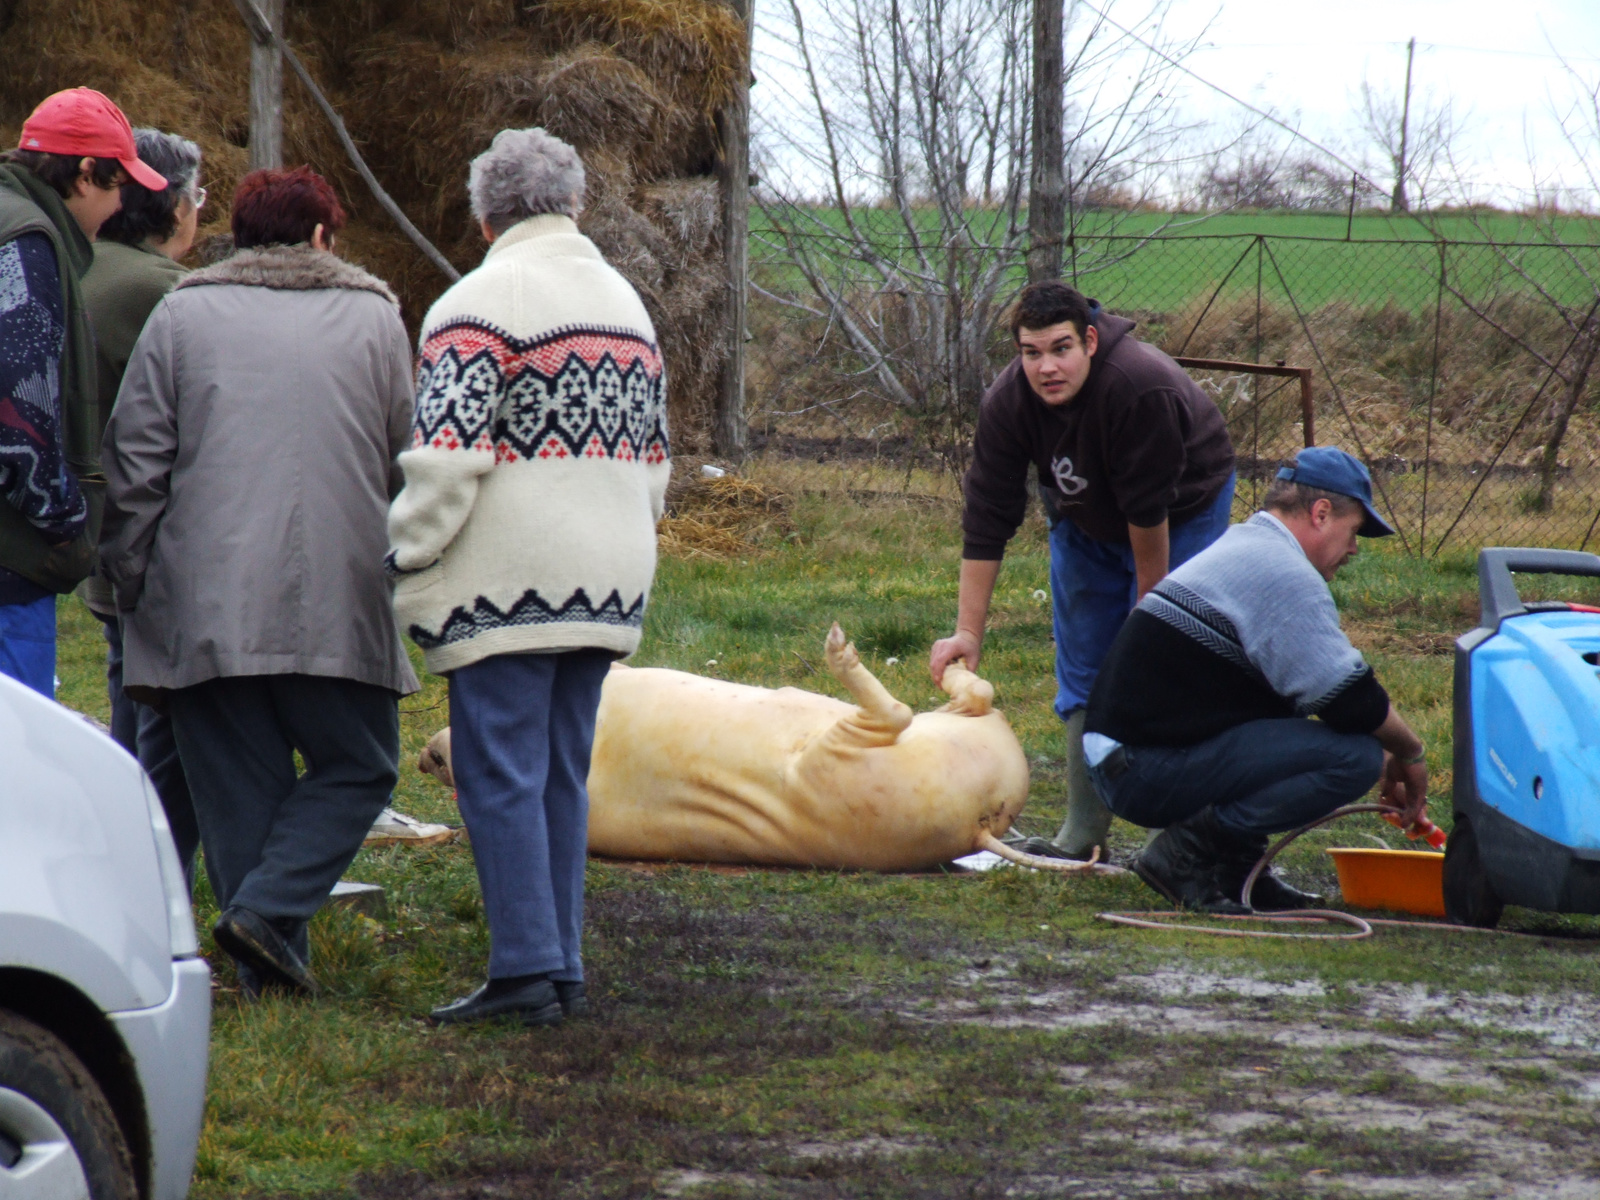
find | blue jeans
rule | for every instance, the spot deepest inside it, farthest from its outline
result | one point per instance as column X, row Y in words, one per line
column 1094, row 585
column 521, row 728
column 28, row 644
column 147, row 735
column 1261, row 777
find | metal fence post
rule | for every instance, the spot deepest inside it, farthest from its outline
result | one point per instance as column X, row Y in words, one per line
column 1433, row 387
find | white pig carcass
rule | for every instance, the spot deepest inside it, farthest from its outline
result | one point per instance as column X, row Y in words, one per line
column 692, row 769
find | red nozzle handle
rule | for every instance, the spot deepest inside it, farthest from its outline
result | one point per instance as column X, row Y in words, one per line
column 1424, row 829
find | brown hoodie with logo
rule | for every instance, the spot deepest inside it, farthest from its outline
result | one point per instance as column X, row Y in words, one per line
column 1139, row 444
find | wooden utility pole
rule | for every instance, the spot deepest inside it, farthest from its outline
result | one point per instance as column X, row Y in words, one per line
column 1398, row 201
column 729, row 434
column 1047, row 192
column 266, row 92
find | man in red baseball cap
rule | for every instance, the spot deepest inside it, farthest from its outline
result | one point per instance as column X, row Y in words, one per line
column 56, row 190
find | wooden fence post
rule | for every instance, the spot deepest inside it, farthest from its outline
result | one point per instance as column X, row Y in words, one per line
column 266, row 93
column 1047, row 192
column 729, row 435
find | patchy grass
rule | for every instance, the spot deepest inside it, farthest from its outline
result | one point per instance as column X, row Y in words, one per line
column 808, row 1034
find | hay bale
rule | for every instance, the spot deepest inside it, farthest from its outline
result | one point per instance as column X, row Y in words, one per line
column 670, row 249
column 423, row 87
column 696, row 47
column 601, row 102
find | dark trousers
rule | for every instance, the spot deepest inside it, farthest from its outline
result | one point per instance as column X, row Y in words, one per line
column 521, row 728
column 276, row 842
column 1261, row 777
column 147, row 735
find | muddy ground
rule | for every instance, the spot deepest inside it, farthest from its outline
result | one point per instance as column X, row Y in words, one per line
column 1086, row 1062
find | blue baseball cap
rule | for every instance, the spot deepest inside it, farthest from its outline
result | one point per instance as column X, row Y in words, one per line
column 1332, row 470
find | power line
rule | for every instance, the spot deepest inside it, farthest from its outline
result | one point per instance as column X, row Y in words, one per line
column 1300, row 45
column 1354, row 170
column 1541, row 54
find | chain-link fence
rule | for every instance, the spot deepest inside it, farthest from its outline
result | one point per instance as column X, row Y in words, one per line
column 1460, row 371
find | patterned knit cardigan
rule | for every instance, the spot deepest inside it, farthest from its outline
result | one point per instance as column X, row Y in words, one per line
column 538, row 462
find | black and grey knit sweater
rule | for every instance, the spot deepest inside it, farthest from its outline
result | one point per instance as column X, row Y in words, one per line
column 1245, row 630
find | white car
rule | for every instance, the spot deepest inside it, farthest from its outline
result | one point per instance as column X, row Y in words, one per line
column 105, row 1002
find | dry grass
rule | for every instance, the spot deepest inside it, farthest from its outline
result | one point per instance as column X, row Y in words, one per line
column 1381, row 357
column 727, row 517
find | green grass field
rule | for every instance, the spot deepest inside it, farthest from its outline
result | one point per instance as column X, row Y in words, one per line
column 1162, row 262
column 810, row 1034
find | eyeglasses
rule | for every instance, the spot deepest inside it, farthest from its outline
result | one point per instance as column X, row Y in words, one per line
column 197, row 197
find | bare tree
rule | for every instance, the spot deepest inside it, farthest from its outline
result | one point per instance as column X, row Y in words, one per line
column 1259, row 175
column 1412, row 130
column 895, row 178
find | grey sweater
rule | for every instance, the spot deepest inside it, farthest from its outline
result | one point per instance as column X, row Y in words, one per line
column 1245, row 630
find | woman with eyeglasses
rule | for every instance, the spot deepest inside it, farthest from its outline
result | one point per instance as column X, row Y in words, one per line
column 136, row 264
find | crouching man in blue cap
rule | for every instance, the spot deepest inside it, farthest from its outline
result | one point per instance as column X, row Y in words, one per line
column 1200, row 722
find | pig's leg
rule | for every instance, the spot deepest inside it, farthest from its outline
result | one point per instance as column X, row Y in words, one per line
column 879, row 718
column 969, row 695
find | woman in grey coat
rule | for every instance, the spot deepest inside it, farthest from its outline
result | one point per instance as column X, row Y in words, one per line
column 250, row 462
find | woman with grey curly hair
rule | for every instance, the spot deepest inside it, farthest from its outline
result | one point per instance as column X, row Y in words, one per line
column 524, row 173
column 135, row 265
column 166, row 219
column 523, row 548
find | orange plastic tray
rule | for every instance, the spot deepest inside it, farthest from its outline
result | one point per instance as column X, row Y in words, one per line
column 1400, row 880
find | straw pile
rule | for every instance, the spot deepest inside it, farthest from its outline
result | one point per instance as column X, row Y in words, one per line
column 423, row 86
column 726, row 517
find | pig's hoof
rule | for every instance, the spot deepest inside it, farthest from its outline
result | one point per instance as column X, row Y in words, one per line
column 841, row 652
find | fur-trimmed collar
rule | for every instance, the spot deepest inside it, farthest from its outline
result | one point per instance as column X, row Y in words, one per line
column 290, row 268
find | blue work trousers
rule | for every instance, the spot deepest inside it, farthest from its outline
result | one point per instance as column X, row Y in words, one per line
column 1095, row 585
column 1261, row 777
column 28, row 644
column 521, row 728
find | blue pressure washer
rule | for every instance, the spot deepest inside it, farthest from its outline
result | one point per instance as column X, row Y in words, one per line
column 1527, row 747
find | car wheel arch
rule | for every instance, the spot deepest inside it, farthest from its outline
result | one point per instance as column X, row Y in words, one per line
column 72, row 1017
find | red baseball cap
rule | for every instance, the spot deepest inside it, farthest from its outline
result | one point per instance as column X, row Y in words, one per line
column 84, row 122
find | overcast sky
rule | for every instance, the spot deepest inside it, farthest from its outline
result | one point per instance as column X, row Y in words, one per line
column 1493, row 59
column 1305, row 59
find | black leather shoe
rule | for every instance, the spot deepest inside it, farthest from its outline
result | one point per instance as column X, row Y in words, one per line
column 573, row 997
column 533, row 1004
column 249, row 981
column 251, row 939
column 1274, row 894
column 1271, row 892
column 1184, row 863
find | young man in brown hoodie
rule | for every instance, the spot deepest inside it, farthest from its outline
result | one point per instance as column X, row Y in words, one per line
column 1136, row 471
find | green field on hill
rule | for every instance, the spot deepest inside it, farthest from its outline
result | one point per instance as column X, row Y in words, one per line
column 1163, row 262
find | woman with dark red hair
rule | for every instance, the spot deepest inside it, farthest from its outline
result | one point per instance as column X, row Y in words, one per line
column 250, row 462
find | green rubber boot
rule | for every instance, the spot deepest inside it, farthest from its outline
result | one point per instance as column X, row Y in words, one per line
column 1088, row 819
